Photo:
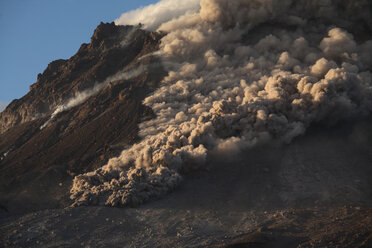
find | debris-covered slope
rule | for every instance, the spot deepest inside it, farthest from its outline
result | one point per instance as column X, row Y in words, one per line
column 315, row 192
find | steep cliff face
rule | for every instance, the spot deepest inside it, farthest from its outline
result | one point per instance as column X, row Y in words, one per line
column 35, row 161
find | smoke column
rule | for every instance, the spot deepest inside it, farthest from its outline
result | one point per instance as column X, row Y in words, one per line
column 250, row 72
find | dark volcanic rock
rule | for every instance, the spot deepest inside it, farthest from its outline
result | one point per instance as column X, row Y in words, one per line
column 37, row 166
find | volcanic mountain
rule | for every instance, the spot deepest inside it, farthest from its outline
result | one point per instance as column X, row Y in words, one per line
column 218, row 124
column 35, row 161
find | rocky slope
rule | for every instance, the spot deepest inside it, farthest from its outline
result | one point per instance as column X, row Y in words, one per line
column 314, row 192
column 34, row 162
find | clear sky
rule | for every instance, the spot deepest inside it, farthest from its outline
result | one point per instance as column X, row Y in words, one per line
column 35, row 32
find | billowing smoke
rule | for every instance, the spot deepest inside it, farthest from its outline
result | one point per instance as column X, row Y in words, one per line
column 81, row 97
column 250, row 72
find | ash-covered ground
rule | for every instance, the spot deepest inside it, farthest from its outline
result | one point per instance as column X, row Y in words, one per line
column 315, row 192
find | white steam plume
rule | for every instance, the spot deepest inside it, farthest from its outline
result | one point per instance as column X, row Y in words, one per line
column 242, row 81
column 81, row 97
column 3, row 105
column 154, row 15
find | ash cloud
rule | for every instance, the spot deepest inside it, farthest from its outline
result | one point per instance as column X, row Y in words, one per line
column 240, row 81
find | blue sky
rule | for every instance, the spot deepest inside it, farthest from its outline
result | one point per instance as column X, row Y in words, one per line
column 35, row 32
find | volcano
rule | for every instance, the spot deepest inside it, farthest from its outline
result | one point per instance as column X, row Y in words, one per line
column 218, row 124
